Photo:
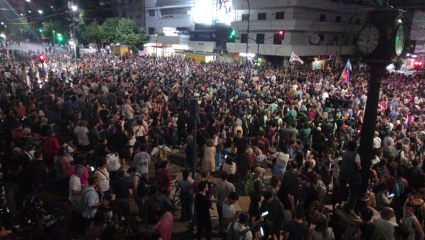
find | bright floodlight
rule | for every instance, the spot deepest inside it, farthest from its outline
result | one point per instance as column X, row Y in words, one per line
column 2, row 23
column 28, row 0
column 40, row 11
column 74, row 8
column 2, row 35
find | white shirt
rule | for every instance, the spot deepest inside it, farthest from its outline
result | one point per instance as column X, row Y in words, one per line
column 113, row 161
column 68, row 152
column 83, row 138
column 377, row 142
column 155, row 150
column 103, row 178
column 128, row 111
column 142, row 161
column 239, row 227
column 74, row 184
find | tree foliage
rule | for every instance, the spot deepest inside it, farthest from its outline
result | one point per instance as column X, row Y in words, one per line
column 93, row 33
column 114, row 30
column 109, row 27
column 53, row 25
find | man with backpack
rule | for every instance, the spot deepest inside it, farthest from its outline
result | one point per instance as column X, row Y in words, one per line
column 160, row 153
column 238, row 230
column 254, row 184
column 398, row 185
column 140, row 186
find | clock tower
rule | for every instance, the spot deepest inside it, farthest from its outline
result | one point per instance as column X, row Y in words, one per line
column 380, row 41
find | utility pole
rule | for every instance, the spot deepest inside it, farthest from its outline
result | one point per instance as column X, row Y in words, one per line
column 54, row 43
column 247, row 40
column 73, row 9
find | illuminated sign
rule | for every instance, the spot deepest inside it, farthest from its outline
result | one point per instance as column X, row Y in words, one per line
column 209, row 11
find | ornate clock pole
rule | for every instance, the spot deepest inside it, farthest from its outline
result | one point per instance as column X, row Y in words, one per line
column 380, row 41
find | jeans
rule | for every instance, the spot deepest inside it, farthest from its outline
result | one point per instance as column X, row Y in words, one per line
column 124, row 209
column 187, row 202
column 204, row 225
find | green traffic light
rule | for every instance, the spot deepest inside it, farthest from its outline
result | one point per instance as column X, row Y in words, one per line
column 40, row 30
column 60, row 38
column 232, row 34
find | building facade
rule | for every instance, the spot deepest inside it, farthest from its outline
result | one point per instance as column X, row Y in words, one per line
column 311, row 27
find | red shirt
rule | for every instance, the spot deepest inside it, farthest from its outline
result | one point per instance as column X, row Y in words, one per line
column 163, row 179
column 50, row 147
column 165, row 226
column 263, row 144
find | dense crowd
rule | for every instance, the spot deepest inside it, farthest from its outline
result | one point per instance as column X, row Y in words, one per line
column 102, row 134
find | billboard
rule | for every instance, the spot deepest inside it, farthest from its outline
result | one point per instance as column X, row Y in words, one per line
column 213, row 11
column 224, row 11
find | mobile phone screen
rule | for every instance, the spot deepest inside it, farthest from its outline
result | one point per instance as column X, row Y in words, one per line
column 261, row 232
column 264, row 213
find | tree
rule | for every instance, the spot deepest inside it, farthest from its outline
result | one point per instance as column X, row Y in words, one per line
column 93, row 33
column 109, row 28
column 17, row 29
column 129, row 33
column 50, row 26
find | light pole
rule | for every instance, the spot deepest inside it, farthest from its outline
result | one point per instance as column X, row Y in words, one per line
column 156, row 46
column 247, row 37
column 22, row 38
column 54, row 42
column 74, row 35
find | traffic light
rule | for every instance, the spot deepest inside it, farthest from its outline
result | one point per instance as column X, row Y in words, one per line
column 281, row 34
column 232, row 34
column 259, row 58
column 60, row 37
column 418, row 65
column 40, row 30
column 41, row 58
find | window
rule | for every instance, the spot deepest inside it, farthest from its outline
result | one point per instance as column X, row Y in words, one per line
column 276, row 39
column 354, row 40
column 338, row 19
column 260, row 38
column 322, row 37
column 151, row 30
column 357, row 21
column 262, row 16
column 280, row 15
column 323, row 17
column 244, row 38
column 151, row 13
column 174, row 11
column 245, row 17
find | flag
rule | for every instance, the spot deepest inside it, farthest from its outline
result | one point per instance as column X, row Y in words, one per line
column 345, row 76
column 295, row 58
column 186, row 70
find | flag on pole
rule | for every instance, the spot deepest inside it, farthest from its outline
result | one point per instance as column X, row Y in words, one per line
column 295, row 58
column 186, row 70
column 345, row 76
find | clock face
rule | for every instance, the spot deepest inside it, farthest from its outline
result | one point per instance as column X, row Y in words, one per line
column 315, row 39
column 400, row 40
column 368, row 39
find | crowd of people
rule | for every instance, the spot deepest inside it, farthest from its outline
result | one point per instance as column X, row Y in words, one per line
column 102, row 134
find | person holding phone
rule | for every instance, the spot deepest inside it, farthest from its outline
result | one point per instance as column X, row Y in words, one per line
column 383, row 197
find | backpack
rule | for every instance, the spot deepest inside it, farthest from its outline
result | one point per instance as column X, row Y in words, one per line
column 58, row 169
column 236, row 234
column 143, row 186
column 398, row 188
column 249, row 185
column 162, row 154
column 321, row 191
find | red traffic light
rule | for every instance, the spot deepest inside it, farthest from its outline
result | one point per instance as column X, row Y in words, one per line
column 42, row 58
column 281, row 34
column 418, row 65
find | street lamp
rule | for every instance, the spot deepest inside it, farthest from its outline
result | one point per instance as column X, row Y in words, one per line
column 22, row 37
column 28, row 0
column 74, row 8
column 156, row 46
column 54, row 42
column 40, row 11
